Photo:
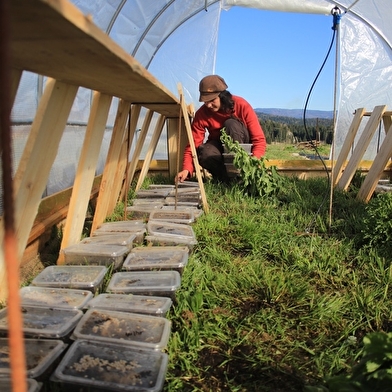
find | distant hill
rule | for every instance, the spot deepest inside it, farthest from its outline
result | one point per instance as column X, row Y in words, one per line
column 295, row 113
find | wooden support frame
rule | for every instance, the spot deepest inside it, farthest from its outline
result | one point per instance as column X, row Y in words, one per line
column 131, row 167
column 378, row 166
column 361, row 146
column 112, row 160
column 150, row 152
column 188, row 128
column 348, row 142
column 34, row 167
column 129, row 135
column 85, row 172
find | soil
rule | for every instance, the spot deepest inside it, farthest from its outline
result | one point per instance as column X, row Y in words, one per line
column 105, row 325
column 118, row 371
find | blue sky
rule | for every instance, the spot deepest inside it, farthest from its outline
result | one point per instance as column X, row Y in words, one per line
column 272, row 58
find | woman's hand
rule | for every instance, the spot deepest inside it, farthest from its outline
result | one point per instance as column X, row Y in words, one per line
column 182, row 176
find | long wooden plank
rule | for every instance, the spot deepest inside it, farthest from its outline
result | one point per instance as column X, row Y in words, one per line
column 387, row 120
column 138, row 148
column 123, row 161
column 188, row 128
column 348, row 142
column 110, row 168
column 54, row 38
column 377, row 168
column 46, row 132
column 361, row 147
column 150, row 152
column 39, row 154
column 85, row 172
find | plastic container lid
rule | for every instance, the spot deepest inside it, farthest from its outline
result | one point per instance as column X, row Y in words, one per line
column 152, row 193
column 171, row 240
column 191, row 200
column 83, row 277
column 141, row 211
column 112, row 367
column 197, row 212
column 95, row 254
column 185, row 191
column 40, row 355
column 153, row 203
column 6, row 385
column 170, row 229
column 136, row 227
column 157, row 258
column 156, row 283
column 124, row 328
column 184, row 216
column 54, row 297
column 143, row 304
column 123, row 239
column 43, row 322
column 160, row 186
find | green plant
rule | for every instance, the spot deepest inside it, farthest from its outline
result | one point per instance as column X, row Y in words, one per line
column 377, row 230
column 257, row 178
column 372, row 373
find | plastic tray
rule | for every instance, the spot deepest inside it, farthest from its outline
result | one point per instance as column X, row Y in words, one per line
column 41, row 357
column 40, row 322
column 112, row 367
column 143, row 304
column 123, row 239
column 53, row 297
column 170, row 229
column 141, row 211
column 152, row 203
column 184, row 216
column 124, row 328
column 191, row 200
column 155, row 283
column 95, row 254
column 170, row 240
column 152, row 193
column 185, row 191
column 137, row 227
column 197, row 212
column 6, row 385
column 80, row 277
column 157, row 258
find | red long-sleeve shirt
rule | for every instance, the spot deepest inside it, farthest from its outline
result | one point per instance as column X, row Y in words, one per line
column 213, row 122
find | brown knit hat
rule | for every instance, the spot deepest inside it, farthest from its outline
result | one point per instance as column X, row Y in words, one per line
column 210, row 87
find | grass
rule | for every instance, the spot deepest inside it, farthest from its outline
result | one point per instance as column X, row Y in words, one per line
column 286, row 151
column 264, row 305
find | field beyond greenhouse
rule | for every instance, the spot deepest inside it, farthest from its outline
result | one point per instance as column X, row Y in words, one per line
column 279, row 296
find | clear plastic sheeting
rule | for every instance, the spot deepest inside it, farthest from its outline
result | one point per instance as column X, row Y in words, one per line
column 302, row 6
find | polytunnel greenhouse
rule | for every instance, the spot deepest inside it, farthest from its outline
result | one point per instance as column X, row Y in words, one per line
column 98, row 95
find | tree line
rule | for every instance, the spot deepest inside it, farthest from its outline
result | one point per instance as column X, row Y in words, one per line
column 280, row 129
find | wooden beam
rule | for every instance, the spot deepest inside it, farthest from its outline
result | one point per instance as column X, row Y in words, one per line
column 377, row 168
column 175, row 147
column 151, row 149
column 54, row 38
column 85, row 172
column 123, row 160
column 34, row 168
column 348, row 142
column 361, row 147
column 130, row 172
column 110, row 168
column 188, row 128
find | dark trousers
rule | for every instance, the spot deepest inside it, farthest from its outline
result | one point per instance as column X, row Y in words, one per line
column 210, row 153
